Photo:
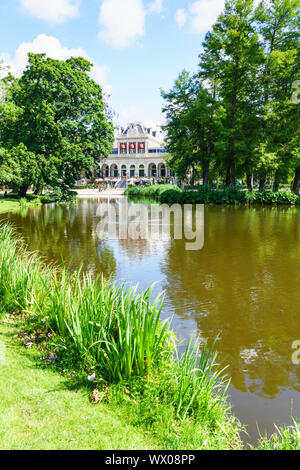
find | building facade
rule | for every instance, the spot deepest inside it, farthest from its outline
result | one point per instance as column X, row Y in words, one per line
column 138, row 152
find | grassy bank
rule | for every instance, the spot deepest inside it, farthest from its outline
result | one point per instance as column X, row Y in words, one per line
column 206, row 195
column 40, row 408
column 116, row 337
column 15, row 204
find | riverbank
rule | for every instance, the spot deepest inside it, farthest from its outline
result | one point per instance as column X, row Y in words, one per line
column 13, row 204
column 140, row 405
column 115, row 337
column 43, row 409
column 206, row 195
column 93, row 193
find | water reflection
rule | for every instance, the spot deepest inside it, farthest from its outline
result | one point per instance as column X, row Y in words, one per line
column 243, row 286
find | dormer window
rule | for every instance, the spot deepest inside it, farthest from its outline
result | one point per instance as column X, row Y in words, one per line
column 132, row 148
column 142, row 147
column 123, row 148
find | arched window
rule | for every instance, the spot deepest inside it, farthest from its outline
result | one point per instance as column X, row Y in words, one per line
column 142, row 171
column 152, row 170
column 132, row 171
column 114, row 171
column 163, row 171
column 105, row 171
column 124, row 171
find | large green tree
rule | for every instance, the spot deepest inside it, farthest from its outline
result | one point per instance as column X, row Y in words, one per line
column 193, row 127
column 56, row 114
column 237, row 118
column 278, row 26
column 230, row 59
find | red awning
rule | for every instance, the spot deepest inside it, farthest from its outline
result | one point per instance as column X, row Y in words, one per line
column 132, row 146
column 123, row 146
column 141, row 145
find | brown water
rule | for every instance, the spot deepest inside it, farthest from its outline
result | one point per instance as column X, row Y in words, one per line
column 243, row 285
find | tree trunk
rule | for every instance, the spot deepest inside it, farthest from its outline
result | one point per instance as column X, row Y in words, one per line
column 193, row 176
column 23, row 191
column 38, row 190
column 227, row 177
column 250, row 181
column 262, row 183
column 205, row 170
column 276, row 186
column 230, row 174
column 296, row 182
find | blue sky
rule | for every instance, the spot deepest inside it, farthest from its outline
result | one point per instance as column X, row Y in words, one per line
column 137, row 46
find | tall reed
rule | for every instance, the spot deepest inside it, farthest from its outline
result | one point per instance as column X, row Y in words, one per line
column 117, row 329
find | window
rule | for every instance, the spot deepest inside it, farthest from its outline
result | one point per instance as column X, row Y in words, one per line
column 142, row 171
column 132, row 171
column 124, row 171
column 142, row 147
column 132, row 148
column 152, row 169
column 123, row 148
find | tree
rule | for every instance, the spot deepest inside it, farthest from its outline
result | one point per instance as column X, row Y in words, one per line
column 237, row 117
column 193, row 125
column 231, row 57
column 19, row 168
column 278, row 26
column 57, row 112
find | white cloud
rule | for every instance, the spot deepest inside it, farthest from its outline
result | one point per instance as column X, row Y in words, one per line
column 156, row 6
column 180, row 17
column 205, row 13
column 122, row 21
column 56, row 11
column 52, row 47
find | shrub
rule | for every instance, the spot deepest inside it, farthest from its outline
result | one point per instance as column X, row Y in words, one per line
column 154, row 190
column 228, row 195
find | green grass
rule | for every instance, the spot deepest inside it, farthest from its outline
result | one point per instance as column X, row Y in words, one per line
column 118, row 334
column 41, row 409
column 8, row 205
column 16, row 205
column 284, row 438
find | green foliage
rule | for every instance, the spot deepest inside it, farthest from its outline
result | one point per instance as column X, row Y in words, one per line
column 285, row 438
column 229, row 195
column 119, row 334
column 235, row 118
column 53, row 124
column 151, row 191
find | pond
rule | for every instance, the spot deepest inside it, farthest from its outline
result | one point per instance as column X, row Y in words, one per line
column 242, row 286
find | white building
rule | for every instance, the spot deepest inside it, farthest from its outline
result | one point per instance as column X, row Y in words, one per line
column 138, row 152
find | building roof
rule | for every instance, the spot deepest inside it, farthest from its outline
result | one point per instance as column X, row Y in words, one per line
column 135, row 129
